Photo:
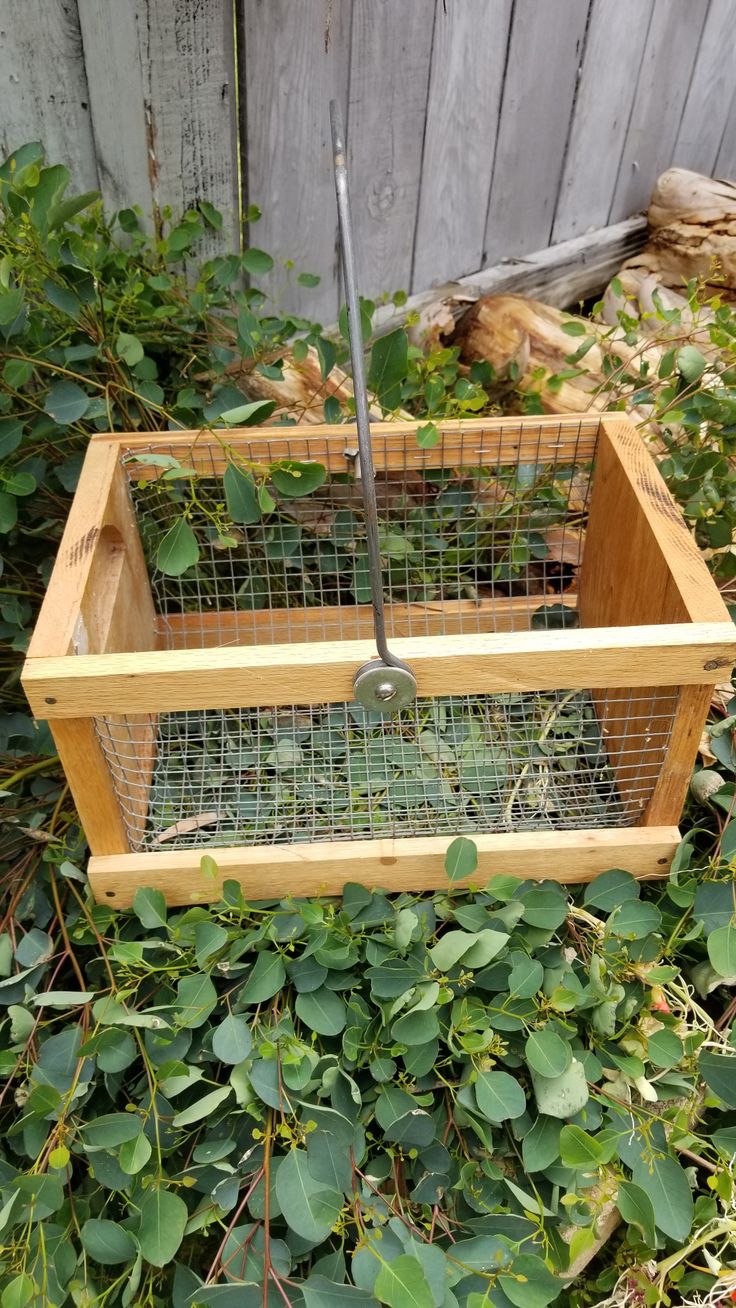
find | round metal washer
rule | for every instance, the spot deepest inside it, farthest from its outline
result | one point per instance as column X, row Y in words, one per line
column 383, row 688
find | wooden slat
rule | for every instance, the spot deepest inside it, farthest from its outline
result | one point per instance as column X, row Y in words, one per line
column 664, row 79
column 539, row 88
column 45, row 96
column 613, row 52
column 671, row 790
column 162, row 92
column 85, row 768
column 168, row 680
column 468, row 441
column 706, row 108
column 468, row 59
column 395, row 865
column 274, row 626
column 390, row 54
column 290, row 68
column 725, row 165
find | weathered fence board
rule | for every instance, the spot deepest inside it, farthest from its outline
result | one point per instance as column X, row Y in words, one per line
column 43, row 85
column 468, row 61
column 544, row 53
column 613, row 53
column 664, row 78
column 389, row 76
column 478, row 130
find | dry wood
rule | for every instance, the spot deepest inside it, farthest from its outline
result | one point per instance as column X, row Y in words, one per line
column 321, row 673
column 86, row 770
column 404, row 864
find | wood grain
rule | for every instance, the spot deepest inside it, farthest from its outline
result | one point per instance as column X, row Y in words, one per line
column 86, row 770
column 289, row 72
column 395, row 865
column 468, row 59
column 45, row 94
column 539, row 88
column 662, row 87
column 390, row 55
column 320, row 673
column 725, row 165
column 162, row 93
column 708, row 101
column 613, row 53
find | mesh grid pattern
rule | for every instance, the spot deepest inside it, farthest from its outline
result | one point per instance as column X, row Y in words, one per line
column 464, row 763
column 479, row 544
column 475, row 536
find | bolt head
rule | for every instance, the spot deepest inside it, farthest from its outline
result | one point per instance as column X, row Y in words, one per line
column 385, row 691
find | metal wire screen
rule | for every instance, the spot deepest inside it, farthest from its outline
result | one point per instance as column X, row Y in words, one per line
column 481, row 537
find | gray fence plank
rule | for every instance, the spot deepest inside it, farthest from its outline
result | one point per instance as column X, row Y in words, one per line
column 389, row 78
column 162, row 91
column 613, row 54
column 287, row 81
column 468, row 59
column 544, row 54
column 725, row 165
column 44, row 88
column 664, row 79
column 711, row 88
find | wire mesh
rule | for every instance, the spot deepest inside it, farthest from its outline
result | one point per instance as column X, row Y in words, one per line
column 482, row 534
column 471, row 540
column 488, row 763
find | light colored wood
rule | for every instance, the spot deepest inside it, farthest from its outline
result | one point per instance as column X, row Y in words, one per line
column 662, row 87
column 640, row 561
column 45, row 96
column 539, row 88
column 86, row 770
column 559, row 275
column 613, row 52
column 405, row 864
column 390, row 52
column 162, row 93
column 274, row 626
column 461, row 124
column 693, row 225
column 321, row 673
column 289, row 71
column 705, row 115
column 471, row 441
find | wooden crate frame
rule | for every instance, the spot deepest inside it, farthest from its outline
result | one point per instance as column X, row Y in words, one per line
column 96, row 651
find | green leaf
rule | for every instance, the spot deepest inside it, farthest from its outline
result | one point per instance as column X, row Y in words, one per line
column 110, row 1130
column 129, row 348
column 309, row 1207
column 232, row 1040
column 11, row 303
column 107, row 1243
column 163, row 1219
column 428, row 436
column 664, row 1048
column 530, row 1284
column 388, row 367
column 453, row 946
column 574, row 328
column 149, row 907
column 545, row 907
column 401, row 1283
column 211, row 215
column 266, row 979
column 195, row 999
column 461, row 859
column 241, row 495
column 719, row 1073
column 257, row 262
column 636, row 1209
column 178, row 550
column 308, row 279
column 134, row 1154
column 294, row 479
column 320, row 1293
column 610, row 890
column 19, row 1292
column 561, row 1096
column 322, row 1011
column 690, row 364
column 634, row 920
column 499, row 1096
column 66, row 403
column 248, row 415
column 547, row 1053
column 541, row 1145
column 526, row 977
column 578, row 1149
column 666, row 1185
column 722, row 950
column 63, row 210
column 203, row 1107
column 8, row 511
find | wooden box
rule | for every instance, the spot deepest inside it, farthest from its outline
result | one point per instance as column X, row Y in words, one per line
column 137, row 673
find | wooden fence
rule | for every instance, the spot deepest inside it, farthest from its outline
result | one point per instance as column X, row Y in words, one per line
column 478, row 129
